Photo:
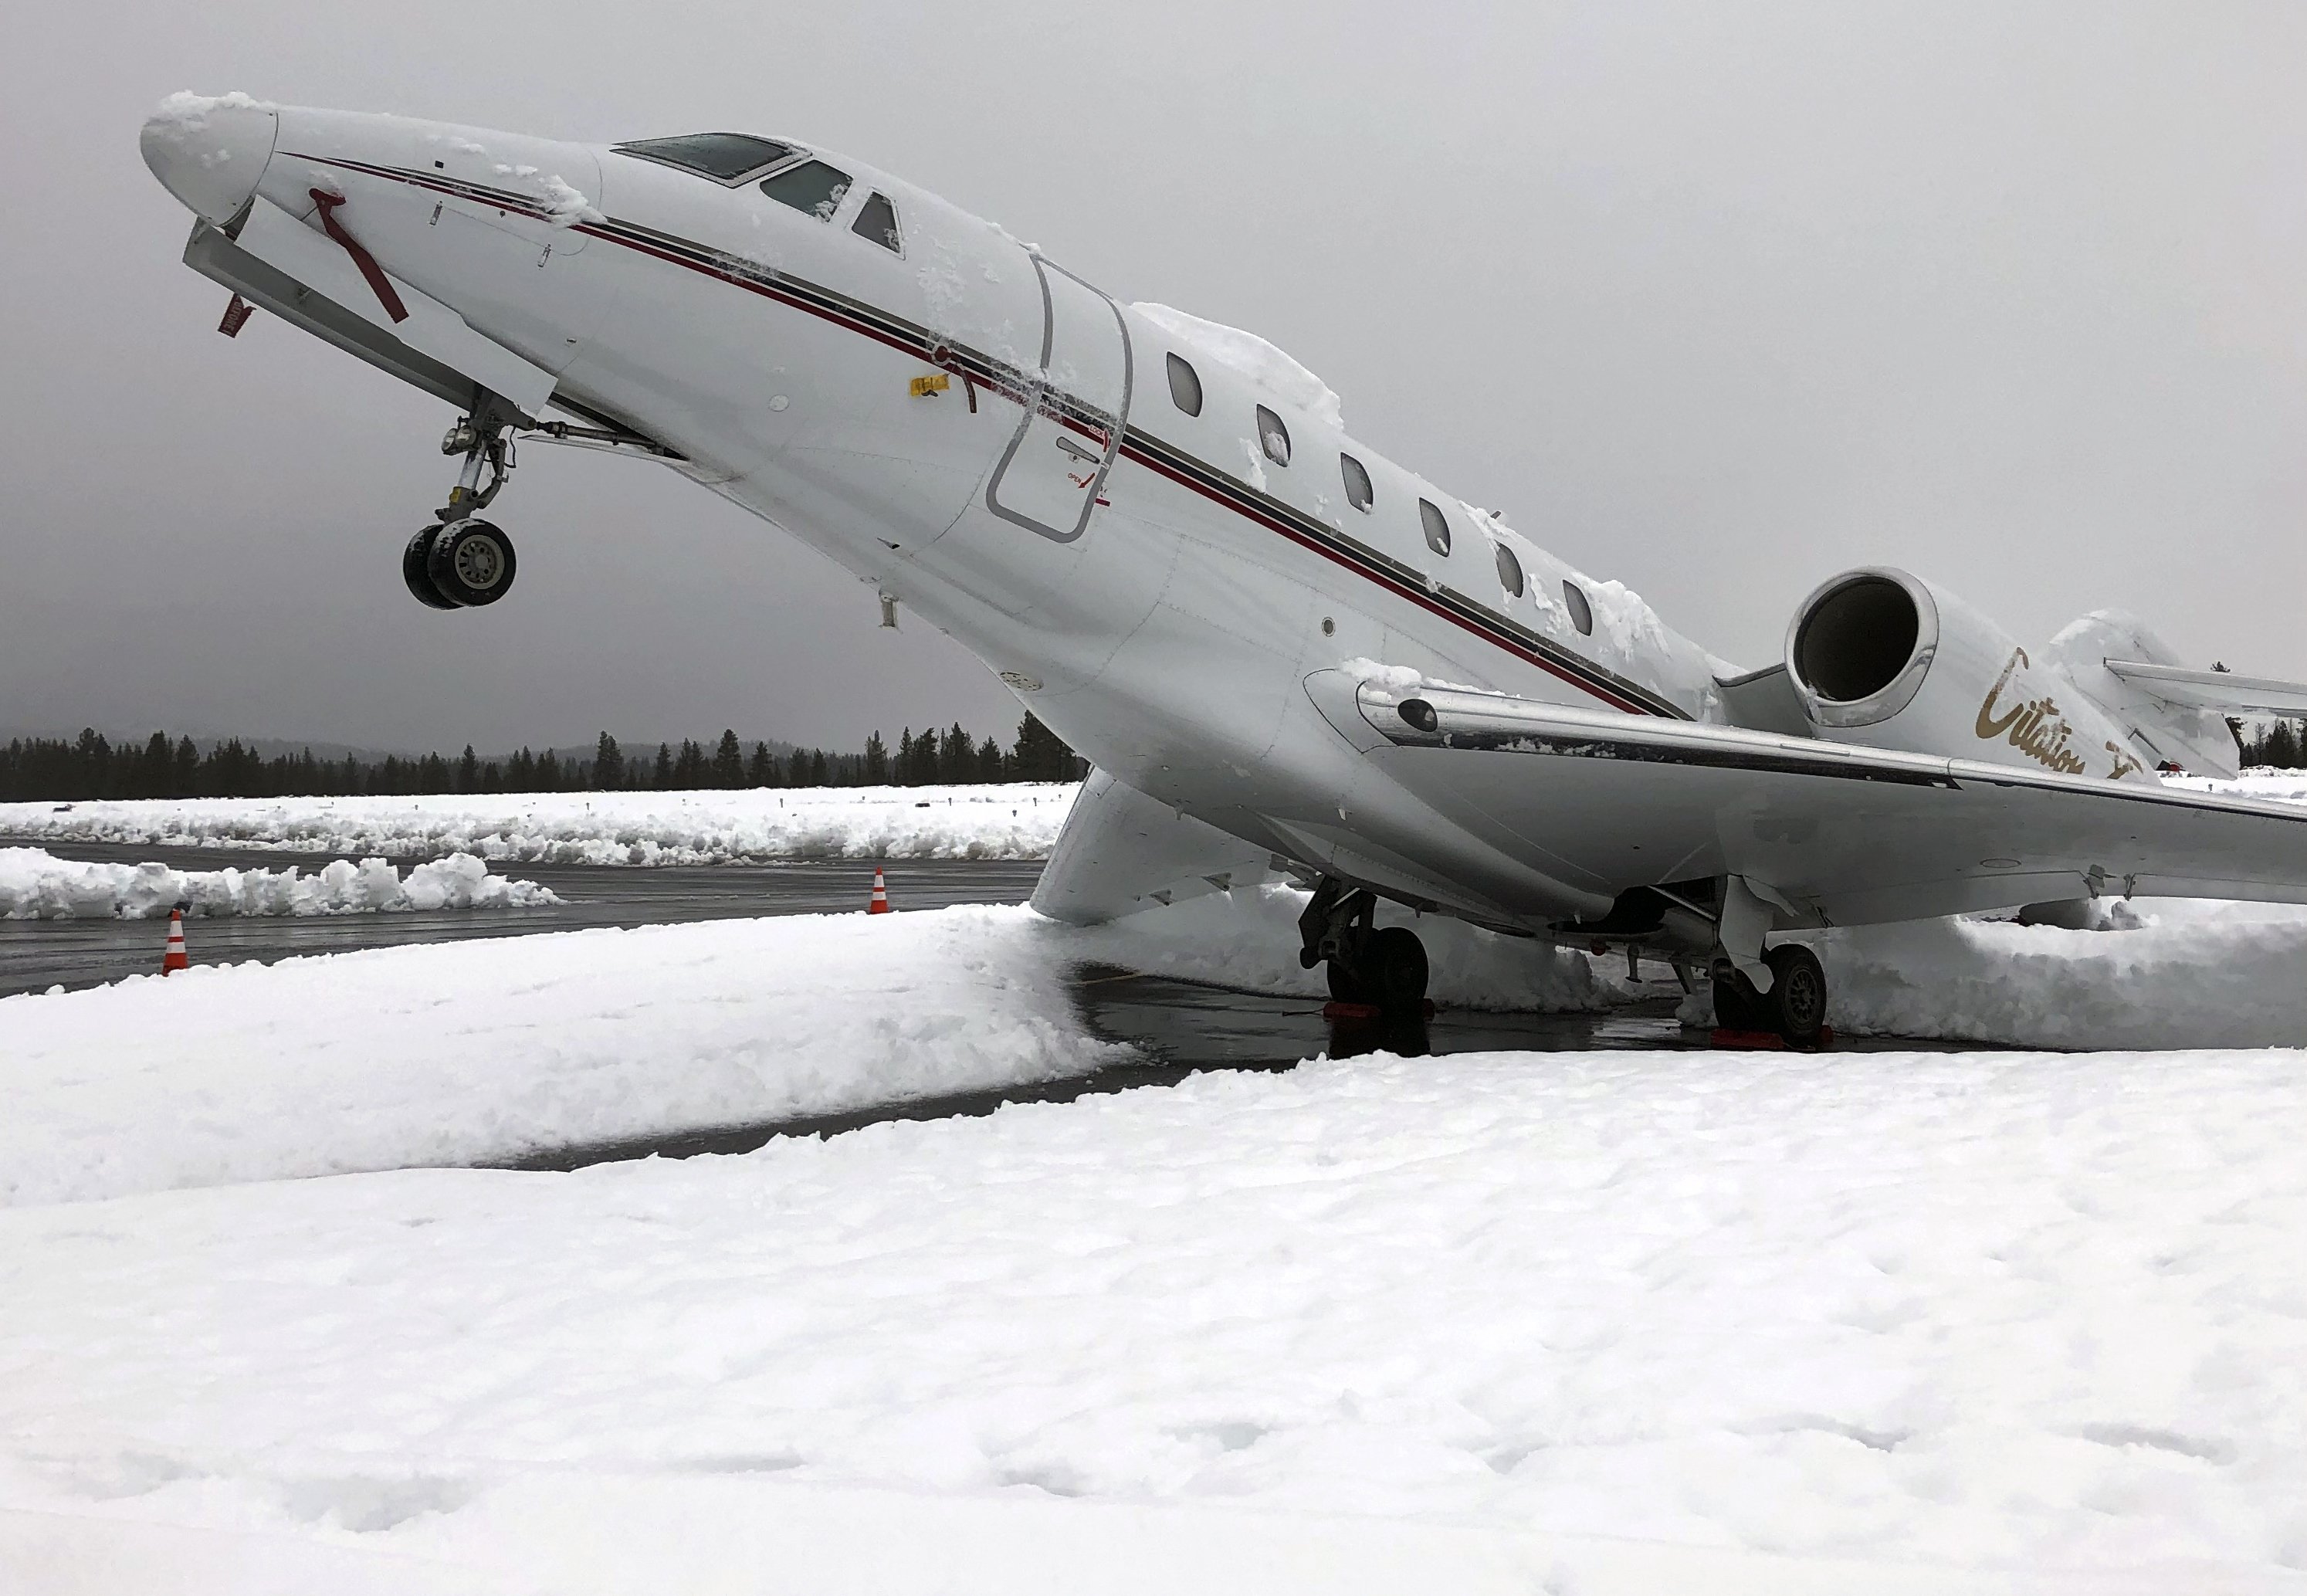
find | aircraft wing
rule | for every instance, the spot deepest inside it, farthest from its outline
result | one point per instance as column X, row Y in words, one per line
column 1851, row 835
column 2222, row 690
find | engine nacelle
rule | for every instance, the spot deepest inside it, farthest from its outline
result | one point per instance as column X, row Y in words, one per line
column 1882, row 658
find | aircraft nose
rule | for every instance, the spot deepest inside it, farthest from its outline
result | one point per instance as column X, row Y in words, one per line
column 210, row 151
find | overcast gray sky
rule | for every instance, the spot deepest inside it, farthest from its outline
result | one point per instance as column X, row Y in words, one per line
column 1715, row 299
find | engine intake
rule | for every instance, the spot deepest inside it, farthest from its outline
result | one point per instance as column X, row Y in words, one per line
column 1879, row 658
column 1861, row 646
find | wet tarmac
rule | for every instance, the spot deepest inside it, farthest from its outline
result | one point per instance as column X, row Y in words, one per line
column 35, row 955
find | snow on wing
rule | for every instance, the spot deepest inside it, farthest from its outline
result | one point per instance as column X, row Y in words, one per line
column 1859, row 835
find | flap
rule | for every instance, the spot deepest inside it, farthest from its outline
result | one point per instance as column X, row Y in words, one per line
column 1121, row 852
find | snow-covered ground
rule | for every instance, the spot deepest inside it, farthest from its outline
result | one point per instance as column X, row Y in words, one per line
column 35, row 885
column 1968, row 1313
column 1018, row 821
column 1570, row 1323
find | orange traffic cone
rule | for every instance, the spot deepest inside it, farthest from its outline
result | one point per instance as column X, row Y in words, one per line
column 176, row 957
column 880, row 903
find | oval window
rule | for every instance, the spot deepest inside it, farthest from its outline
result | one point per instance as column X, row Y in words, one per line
column 1509, row 571
column 1582, row 613
column 1272, row 436
column 1185, row 386
column 1358, row 492
column 1437, row 528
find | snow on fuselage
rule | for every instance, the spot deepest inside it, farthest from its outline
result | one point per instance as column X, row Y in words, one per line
column 934, row 411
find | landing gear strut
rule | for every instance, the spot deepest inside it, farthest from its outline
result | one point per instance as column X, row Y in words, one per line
column 1383, row 966
column 461, row 563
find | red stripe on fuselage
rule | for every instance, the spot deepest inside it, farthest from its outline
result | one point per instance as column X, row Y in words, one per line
column 1343, row 560
column 1391, row 585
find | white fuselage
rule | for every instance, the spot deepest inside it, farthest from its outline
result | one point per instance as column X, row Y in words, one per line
column 1157, row 591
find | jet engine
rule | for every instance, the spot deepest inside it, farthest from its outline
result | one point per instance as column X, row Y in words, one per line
column 1882, row 658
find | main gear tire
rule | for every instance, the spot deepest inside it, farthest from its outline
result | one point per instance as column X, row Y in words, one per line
column 1738, row 1006
column 413, row 562
column 471, row 563
column 1797, row 995
column 1394, row 968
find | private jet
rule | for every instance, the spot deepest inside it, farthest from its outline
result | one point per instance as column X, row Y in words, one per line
column 1284, row 653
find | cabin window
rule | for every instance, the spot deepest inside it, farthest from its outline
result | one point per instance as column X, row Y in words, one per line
column 1437, row 528
column 1509, row 571
column 1185, row 386
column 1358, row 492
column 1582, row 613
column 1272, row 436
column 876, row 219
column 812, row 187
column 726, row 157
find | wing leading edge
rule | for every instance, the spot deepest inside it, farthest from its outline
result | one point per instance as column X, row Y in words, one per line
column 1852, row 836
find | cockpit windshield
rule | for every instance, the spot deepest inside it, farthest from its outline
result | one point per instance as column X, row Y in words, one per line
column 724, row 156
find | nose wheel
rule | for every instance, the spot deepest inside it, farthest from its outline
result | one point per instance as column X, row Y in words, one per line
column 462, row 562
column 463, row 565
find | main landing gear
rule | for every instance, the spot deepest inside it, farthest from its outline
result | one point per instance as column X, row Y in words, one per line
column 460, row 561
column 1795, row 1007
column 1383, row 966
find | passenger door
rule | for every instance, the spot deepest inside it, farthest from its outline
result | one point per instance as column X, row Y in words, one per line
column 1049, row 479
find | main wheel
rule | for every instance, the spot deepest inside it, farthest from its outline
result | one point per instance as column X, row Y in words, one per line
column 413, row 560
column 1395, row 966
column 1797, row 995
column 471, row 563
column 1738, row 1006
column 1346, row 986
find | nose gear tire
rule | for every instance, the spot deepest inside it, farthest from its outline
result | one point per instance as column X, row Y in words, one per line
column 413, row 561
column 471, row 563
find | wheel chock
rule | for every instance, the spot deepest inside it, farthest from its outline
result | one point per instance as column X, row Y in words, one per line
column 1368, row 1011
column 1763, row 1041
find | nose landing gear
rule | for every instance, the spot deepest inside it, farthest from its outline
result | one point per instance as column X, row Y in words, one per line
column 461, row 563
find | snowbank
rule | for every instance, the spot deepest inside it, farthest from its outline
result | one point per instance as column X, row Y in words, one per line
column 35, row 885
column 474, row 1051
column 1977, row 1312
column 2158, row 973
column 1017, row 821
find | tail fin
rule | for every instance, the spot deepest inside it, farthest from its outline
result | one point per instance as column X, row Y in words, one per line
column 2136, row 676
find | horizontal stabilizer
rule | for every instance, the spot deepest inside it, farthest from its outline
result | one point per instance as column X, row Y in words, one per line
column 2222, row 690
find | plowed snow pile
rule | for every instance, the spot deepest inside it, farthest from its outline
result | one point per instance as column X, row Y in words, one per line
column 462, row 1053
column 1016, row 821
column 34, row 885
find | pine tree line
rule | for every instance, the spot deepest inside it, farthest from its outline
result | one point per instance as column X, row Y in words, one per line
column 2283, row 745
column 90, row 767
